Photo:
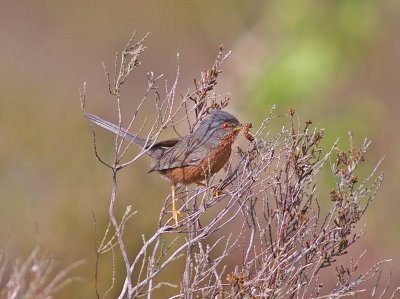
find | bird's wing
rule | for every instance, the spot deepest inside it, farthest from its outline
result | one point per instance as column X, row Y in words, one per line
column 187, row 151
column 166, row 143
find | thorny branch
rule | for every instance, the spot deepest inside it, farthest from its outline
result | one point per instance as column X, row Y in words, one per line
column 269, row 217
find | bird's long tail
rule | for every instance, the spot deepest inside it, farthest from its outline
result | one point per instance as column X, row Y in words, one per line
column 116, row 129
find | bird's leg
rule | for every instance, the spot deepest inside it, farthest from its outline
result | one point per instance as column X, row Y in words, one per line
column 175, row 212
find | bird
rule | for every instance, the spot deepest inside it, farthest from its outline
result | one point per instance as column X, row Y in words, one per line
column 189, row 159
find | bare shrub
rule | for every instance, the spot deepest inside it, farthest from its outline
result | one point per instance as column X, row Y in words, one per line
column 36, row 277
column 268, row 217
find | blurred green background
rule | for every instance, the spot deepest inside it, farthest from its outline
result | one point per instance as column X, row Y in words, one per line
column 335, row 62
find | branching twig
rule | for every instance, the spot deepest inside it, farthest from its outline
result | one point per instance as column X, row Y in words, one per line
column 268, row 217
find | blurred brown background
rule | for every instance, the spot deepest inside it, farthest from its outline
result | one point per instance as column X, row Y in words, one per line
column 336, row 62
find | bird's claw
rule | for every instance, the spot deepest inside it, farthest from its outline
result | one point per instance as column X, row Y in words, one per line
column 217, row 192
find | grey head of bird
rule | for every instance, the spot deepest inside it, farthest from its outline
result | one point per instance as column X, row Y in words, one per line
column 217, row 125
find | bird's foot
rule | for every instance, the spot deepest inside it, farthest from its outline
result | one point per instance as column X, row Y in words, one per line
column 217, row 192
column 175, row 214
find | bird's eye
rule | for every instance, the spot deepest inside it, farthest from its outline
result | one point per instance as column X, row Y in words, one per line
column 225, row 125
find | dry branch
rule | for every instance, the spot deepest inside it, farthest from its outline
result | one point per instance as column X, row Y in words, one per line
column 268, row 216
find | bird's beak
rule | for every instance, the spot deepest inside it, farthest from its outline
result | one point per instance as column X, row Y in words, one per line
column 237, row 128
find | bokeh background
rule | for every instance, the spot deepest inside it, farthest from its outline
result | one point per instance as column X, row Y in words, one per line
column 335, row 62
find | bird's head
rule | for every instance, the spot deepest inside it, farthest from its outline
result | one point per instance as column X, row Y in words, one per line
column 219, row 124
